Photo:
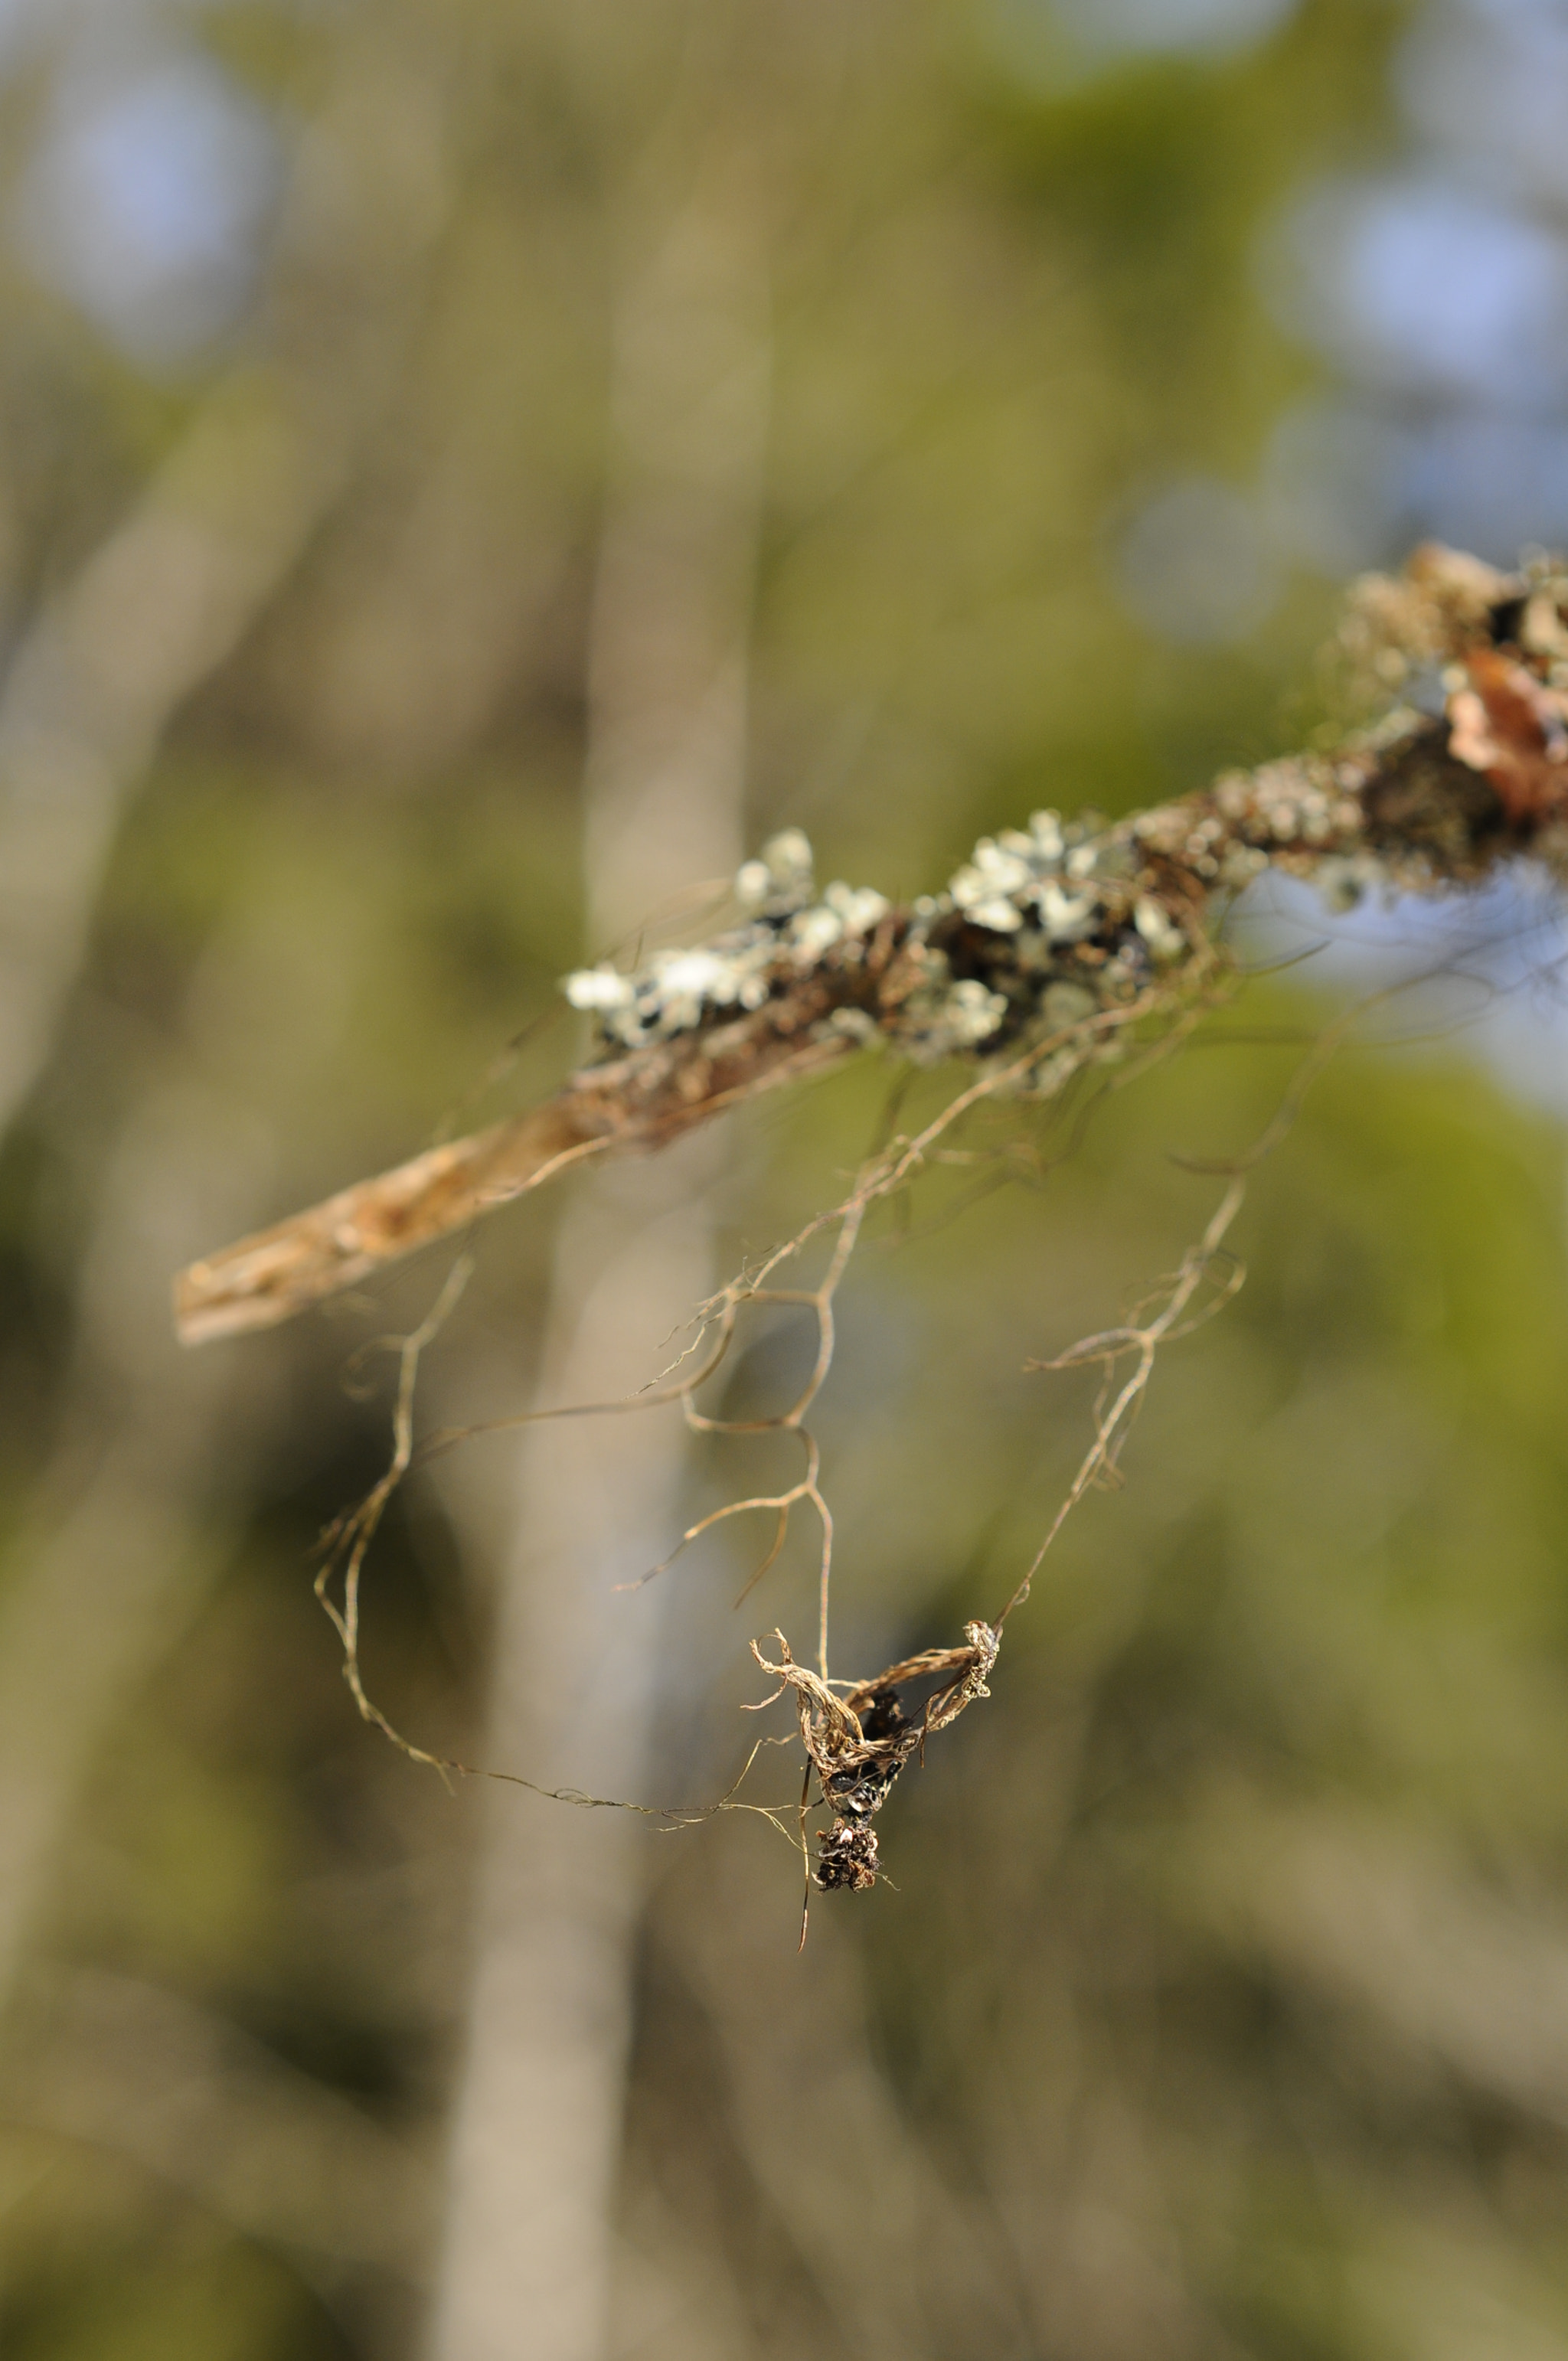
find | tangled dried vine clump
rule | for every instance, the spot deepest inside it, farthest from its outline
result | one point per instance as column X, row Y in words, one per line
column 1057, row 946
column 858, row 1743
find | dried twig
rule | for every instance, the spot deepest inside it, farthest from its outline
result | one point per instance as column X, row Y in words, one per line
column 1041, row 933
column 1118, row 1405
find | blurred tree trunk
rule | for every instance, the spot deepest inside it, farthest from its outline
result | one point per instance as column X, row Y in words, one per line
column 97, row 1576
column 106, row 666
column 538, row 2117
column 101, row 1567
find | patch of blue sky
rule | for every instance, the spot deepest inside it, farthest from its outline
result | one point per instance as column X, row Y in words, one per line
column 1484, row 973
column 1437, row 292
column 1348, row 484
column 1487, row 82
column 1418, row 285
column 146, row 200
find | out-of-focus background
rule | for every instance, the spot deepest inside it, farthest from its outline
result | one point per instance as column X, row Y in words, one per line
column 468, row 470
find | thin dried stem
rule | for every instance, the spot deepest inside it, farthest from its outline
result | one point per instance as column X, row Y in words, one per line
column 1115, row 1411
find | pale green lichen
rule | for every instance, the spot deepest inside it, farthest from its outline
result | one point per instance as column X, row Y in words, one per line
column 1067, row 936
column 787, row 924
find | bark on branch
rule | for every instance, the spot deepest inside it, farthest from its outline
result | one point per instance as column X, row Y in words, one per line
column 1044, row 928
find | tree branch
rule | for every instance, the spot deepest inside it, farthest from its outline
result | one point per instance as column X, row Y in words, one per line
column 1047, row 932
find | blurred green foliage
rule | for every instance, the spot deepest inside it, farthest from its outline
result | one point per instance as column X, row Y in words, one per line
column 1217, row 2010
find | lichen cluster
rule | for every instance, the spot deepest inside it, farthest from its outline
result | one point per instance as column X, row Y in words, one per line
column 1398, row 627
column 1040, row 928
column 788, row 927
column 1303, row 813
